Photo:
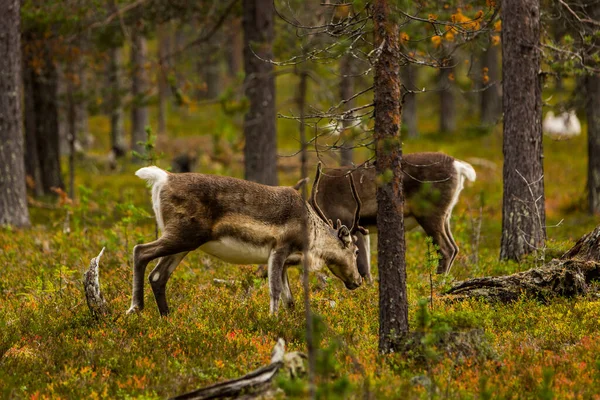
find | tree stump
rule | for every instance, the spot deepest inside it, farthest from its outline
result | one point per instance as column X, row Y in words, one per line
column 567, row 276
column 91, row 285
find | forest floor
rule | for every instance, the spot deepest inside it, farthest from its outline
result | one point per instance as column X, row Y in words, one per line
column 50, row 346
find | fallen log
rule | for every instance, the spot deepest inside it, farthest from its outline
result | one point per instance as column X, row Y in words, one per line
column 91, row 285
column 257, row 382
column 568, row 276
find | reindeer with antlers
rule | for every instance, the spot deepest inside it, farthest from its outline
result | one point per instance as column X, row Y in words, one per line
column 240, row 222
column 432, row 183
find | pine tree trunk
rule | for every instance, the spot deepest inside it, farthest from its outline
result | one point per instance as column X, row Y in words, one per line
column 592, row 111
column 211, row 67
column 447, row 101
column 260, row 131
column 490, row 98
column 235, row 48
column 13, row 194
column 523, row 209
column 81, row 106
column 45, row 104
column 32, row 161
column 163, row 70
column 139, row 87
column 302, row 89
column 346, row 92
column 408, row 76
column 117, row 131
column 393, row 303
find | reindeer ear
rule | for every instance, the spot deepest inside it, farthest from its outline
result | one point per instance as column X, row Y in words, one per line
column 344, row 235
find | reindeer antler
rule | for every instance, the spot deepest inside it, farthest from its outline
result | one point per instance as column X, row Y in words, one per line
column 355, row 226
column 313, row 197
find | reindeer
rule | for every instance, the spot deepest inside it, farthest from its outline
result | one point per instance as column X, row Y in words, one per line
column 240, row 222
column 432, row 183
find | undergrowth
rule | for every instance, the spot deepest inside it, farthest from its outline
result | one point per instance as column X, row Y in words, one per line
column 50, row 346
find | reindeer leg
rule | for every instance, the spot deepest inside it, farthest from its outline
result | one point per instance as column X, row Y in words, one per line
column 160, row 275
column 451, row 241
column 363, row 261
column 286, row 294
column 436, row 229
column 143, row 254
column 276, row 267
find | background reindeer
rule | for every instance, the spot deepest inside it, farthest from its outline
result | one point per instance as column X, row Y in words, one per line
column 240, row 222
column 432, row 183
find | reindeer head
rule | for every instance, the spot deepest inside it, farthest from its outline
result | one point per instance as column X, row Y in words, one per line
column 341, row 250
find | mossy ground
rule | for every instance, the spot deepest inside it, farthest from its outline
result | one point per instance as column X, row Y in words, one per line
column 50, row 347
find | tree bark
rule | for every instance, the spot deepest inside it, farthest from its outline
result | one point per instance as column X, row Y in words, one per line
column 346, row 92
column 408, row 76
column 13, row 193
column 393, row 303
column 82, row 127
column 235, row 49
column 592, row 111
column 117, row 134
column 447, row 101
column 139, row 87
column 260, row 131
column 490, row 98
column 211, row 68
column 302, row 89
column 32, row 161
column 163, row 88
column 523, row 209
column 45, row 104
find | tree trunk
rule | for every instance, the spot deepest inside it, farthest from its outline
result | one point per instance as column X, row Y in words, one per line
column 235, row 48
column 592, row 111
column 523, row 209
column 211, row 68
column 393, row 303
column 13, row 193
column 45, row 104
column 81, row 105
column 408, row 76
column 302, row 107
column 163, row 70
column 260, row 131
column 117, row 134
column 490, row 98
column 32, row 161
column 139, row 87
column 346, row 92
column 447, row 101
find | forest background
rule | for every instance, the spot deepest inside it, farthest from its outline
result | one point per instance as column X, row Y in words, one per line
column 111, row 85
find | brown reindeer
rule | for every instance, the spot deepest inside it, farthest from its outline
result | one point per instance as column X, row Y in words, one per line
column 432, row 183
column 240, row 222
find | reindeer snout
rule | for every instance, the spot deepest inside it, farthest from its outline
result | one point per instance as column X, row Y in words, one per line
column 354, row 285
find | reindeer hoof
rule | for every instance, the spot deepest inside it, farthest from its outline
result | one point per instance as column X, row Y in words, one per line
column 133, row 310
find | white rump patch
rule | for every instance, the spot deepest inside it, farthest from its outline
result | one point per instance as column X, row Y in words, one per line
column 464, row 170
column 156, row 276
column 235, row 251
column 156, row 179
